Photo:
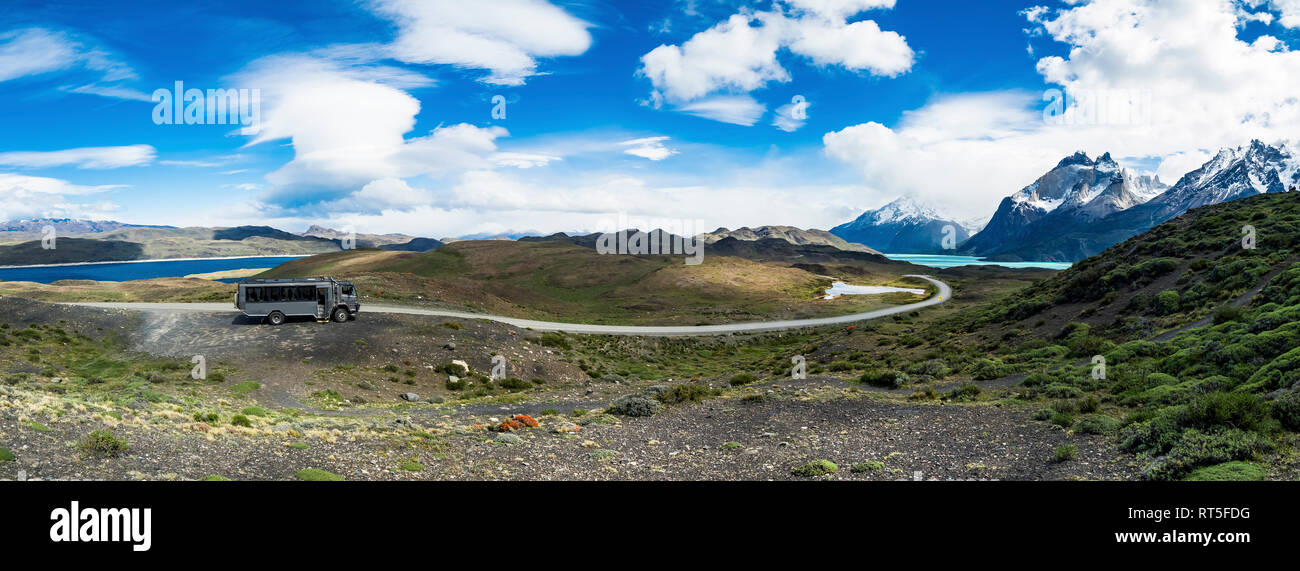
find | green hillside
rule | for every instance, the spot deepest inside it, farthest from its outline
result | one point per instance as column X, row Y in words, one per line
column 564, row 282
column 1200, row 336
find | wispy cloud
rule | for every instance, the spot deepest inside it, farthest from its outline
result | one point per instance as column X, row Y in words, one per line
column 82, row 158
column 37, row 51
column 651, row 148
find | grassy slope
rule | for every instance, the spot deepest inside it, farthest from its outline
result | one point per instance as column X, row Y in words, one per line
column 555, row 280
column 158, row 289
column 1200, row 339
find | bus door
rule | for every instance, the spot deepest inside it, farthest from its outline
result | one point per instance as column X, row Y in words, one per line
column 322, row 297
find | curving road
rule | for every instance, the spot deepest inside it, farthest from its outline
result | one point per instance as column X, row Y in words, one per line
column 945, row 293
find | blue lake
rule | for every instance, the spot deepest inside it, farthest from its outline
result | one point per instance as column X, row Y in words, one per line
column 123, row 271
column 941, row 261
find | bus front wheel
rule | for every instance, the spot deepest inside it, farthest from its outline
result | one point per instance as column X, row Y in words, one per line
column 341, row 315
column 275, row 318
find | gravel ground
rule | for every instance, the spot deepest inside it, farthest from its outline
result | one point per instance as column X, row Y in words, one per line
column 723, row 438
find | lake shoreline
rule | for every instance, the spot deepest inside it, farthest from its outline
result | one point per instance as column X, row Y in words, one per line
column 154, row 260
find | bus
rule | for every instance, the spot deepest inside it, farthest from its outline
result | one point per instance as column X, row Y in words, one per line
column 274, row 300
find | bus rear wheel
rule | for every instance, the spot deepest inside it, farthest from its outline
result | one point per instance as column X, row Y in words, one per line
column 275, row 318
column 341, row 315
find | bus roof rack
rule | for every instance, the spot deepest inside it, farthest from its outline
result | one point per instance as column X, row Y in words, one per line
column 265, row 281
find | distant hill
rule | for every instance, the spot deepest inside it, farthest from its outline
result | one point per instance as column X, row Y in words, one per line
column 790, row 234
column 557, row 279
column 787, row 234
column 69, row 251
column 67, row 225
column 363, row 240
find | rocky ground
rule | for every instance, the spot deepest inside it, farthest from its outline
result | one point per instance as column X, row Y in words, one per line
column 759, row 431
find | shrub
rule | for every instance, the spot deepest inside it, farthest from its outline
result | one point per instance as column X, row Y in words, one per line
column 1065, row 452
column 966, row 392
column 209, row 417
column 871, row 466
column 1228, row 313
column 685, row 392
column 742, row 379
column 886, row 378
column 317, row 475
column 1097, row 424
column 557, row 340
column 1167, row 302
column 1063, row 419
column 412, row 466
column 1199, row 448
column 550, row 412
column 989, row 369
column 103, row 442
column 816, row 468
column 1286, row 409
column 1227, row 472
column 1237, row 410
column 514, row 384
column 633, row 405
column 241, row 420
column 254, row 411
column 1089, row 404
column 6, row 455
column 457, row 385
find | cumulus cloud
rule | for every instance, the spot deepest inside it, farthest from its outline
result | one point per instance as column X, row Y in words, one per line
column 365, row 136
column 504, row 37
column 740, row 54
column 24, row 196
column 82, row 158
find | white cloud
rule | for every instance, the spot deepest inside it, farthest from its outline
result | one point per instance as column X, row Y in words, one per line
column 740, row 54
column 737, row 54
column 792, row 116
column 736, row 109
column 83, row 158
column 650, row 148
column 1207, row 89
column 504, row 37
column 34, row 51
column 41, row 197
column 111, row 91
column 37, row 51
column 364, row 138
column 840, row 8
column 524, row 160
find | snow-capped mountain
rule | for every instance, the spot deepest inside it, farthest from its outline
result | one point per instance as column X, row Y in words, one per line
column 902, row 226
column 1083, row 221
column 1078, row 189
column 1248, row 170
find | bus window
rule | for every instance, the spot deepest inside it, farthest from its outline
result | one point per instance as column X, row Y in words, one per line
column 250, row 295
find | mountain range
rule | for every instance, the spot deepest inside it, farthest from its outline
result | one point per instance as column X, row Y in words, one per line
column 1082, row 206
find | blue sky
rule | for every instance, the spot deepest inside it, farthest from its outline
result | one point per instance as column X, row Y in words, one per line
column 377, row 115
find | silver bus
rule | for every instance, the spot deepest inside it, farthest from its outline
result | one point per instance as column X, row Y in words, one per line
column 276, row 299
